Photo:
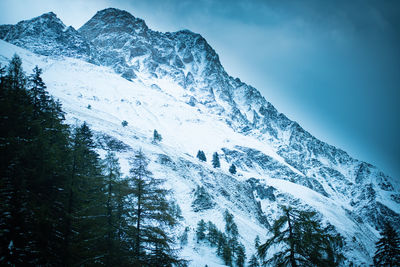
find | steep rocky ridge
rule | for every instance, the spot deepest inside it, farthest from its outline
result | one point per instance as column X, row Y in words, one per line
column 184, row 66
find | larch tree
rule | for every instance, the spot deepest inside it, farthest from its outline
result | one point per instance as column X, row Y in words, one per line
column 151, row 216
column 302, row 241
column 387, row 247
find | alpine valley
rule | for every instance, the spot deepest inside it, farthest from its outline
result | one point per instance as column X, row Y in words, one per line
column 114, row 69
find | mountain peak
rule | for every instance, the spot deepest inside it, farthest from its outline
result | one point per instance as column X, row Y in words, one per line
column 111, row 11
column 112, row 20
column 49, row 18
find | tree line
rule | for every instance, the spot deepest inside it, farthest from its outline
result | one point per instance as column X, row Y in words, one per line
column 60, row 203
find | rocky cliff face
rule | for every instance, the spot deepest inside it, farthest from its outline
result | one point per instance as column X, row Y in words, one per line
column 46, row 35
column 185, row 62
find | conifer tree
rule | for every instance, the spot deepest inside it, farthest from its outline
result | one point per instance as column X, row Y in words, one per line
column 303, row 239
column 85, row 209
column 230, row 226
column 215, row 160
column 201, row 228
column 387, row 247
column 33, row 152
column 227, row 254
column 232, row 169
column 212, row 234
column 240, row 256
column 113, row 175
column 150, row 215
column 201, row 156
column 253, row 262
column 38, row 91
column 156, row 136
column 257, row 242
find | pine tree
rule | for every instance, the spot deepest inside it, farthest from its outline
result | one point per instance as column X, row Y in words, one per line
column 230, row 226
column 201, row 228
column 215, row 160
column 240, row 256
column 253, row 262
column 34, row 146
column 38, row 91
column 156, row 137
column 113, row 175
column 150, row 215
column 303, row 239
column 212, row 234
column 184, row 237
column 85, row 202
column 201, row 156
column 388, row 247
column 257, row 242
column 232, row 169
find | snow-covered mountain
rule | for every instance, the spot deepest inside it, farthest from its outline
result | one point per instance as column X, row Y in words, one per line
column 115, row 68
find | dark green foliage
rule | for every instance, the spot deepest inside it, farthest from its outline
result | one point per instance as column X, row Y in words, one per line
column 304, row 240
column 175, row 210
column 212, row 234
column 232, row 169
column 227, row 254
column 240, row 256
column 201, row 228
column 203, row 200
column 253, row 262
column 33, row 154
column 227, row 245
column 113, row 227
column 124, row 123
column 151, row 216
column 257, row 242
column 215, row 160
column 156, row 137
column 230, row 226
column 109, row 143
column 201, row 156
column 184, row 237
column 388, row 247
column 85, row 207
column 60, row 206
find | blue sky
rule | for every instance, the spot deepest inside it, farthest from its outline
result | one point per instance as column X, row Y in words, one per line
column 332, row 66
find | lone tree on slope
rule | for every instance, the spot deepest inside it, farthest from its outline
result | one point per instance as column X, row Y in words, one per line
column 201, row 156
column 215, row 160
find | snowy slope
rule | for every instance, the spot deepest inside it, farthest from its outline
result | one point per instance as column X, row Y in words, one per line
column 174, row 82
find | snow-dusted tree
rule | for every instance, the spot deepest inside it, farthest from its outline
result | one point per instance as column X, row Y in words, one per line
column 253, row 262
column 388, row 247
column 215, row 160
column 151, row 216
column 232, row 169
column 156, row 137
column 201, row 156
column 230, row 226
column 240, row 256
column 200, row 231
column 303, row 241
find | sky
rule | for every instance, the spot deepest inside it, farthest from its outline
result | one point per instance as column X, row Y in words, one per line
column 332, row 66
